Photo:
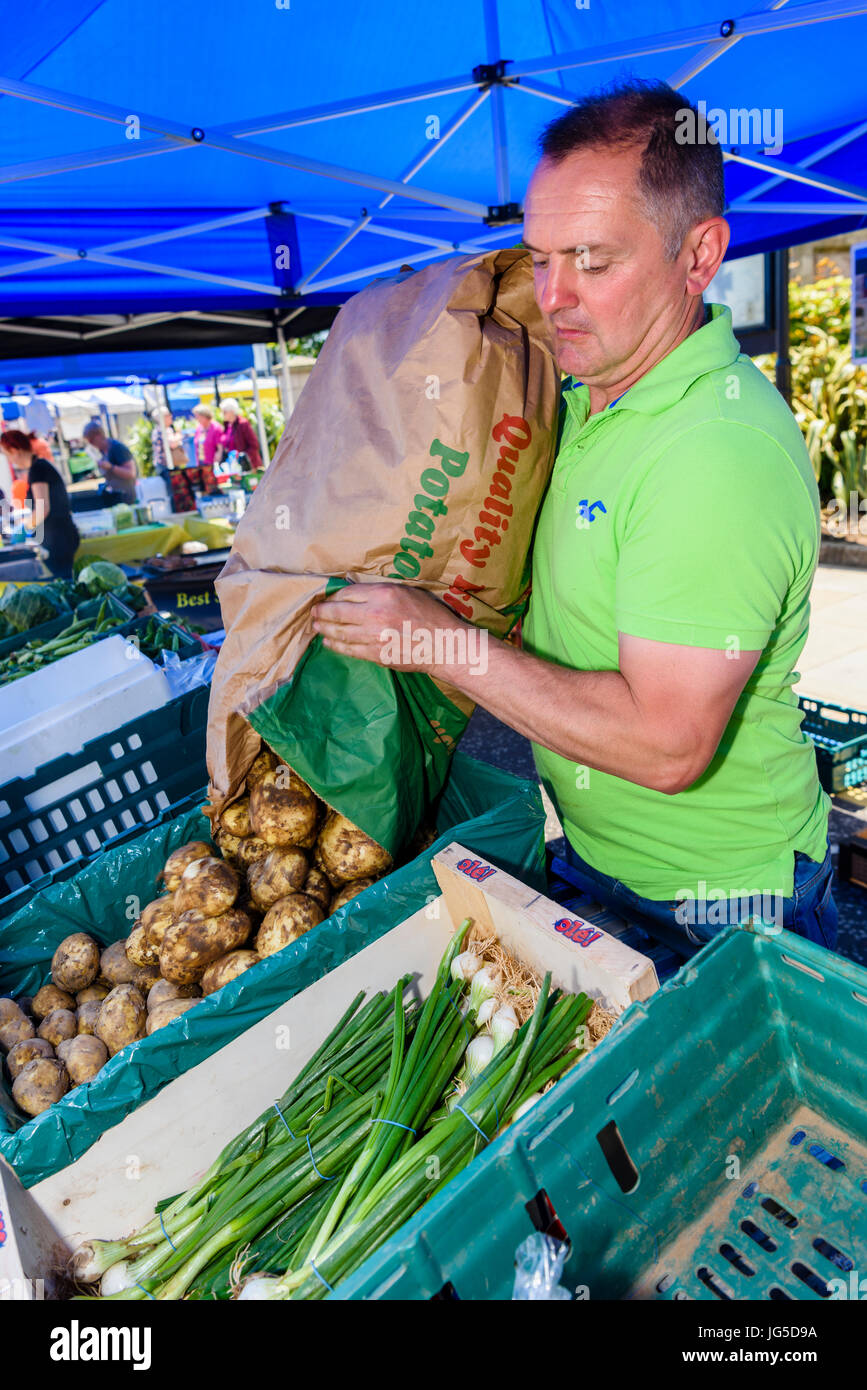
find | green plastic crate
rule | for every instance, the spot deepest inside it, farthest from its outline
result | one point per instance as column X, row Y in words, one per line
column 840, row 736
column 731, row 1109
column 119, row 783
column 491, row 812
column 115, row 608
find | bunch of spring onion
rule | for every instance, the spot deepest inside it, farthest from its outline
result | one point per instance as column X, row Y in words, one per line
column 310, row 1189
column 413, row 1148
column 269, row 1183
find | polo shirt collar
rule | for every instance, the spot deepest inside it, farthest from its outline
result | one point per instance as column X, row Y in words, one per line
column 710, row 347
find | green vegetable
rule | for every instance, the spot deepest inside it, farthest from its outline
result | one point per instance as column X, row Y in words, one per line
column 102, row 577
column 31, row 605
column 344, row 1158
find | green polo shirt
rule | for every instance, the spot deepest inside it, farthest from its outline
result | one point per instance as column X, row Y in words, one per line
column 687, row 512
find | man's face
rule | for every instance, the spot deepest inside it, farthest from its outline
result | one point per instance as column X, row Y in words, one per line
column 601, row 277
column 97, row 438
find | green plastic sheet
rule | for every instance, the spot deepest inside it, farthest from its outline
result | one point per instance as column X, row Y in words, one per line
column 494, row 814
column 374, row 743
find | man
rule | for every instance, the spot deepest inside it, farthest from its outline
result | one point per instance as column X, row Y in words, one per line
column 674, row 552
column 116, row 463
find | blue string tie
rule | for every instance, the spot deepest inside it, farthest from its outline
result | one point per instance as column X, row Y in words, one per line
column 166, row 1234
column 472, row 1122
column 323, row 1176
column 283, row 1118
column 319, row 1276
column 144, row 1290
column 396, row 1123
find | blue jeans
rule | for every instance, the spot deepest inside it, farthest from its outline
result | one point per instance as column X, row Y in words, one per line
column 810, row 911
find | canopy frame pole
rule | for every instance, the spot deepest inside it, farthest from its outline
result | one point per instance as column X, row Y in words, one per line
column 385, row 266
column 287, row 391
column 803, row 209
column 746, row 26
column 810, row 159
column 798, row 174
column 162, row 406
column 364, row 223
column 46, row 96
column 260, row 419
column 498, row 113
column 709, row 54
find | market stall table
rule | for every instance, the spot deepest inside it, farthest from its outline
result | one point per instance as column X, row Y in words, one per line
column 136, row 543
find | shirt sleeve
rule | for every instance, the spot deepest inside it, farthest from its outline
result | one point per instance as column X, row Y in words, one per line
column 719, row 528
column 40, row 471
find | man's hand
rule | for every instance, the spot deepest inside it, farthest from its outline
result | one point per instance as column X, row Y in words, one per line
column 382, row 622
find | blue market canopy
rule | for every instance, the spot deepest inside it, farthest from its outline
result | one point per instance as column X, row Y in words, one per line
column 233, row 170
column 124, row 369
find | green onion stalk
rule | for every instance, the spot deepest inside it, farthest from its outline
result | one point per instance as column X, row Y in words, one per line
column 305, row 1139
column 390, row 1192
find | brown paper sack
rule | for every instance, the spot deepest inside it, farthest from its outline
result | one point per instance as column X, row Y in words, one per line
column 419, row 451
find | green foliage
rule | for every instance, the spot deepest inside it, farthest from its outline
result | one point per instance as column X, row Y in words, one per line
column 829, row 393
column 102, row 577
column 311, row 346
column 141, row 447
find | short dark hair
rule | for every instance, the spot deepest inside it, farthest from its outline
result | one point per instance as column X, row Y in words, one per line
column 681, row 179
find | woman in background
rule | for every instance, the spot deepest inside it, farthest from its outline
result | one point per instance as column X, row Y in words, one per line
column 208, row 434
column 46, row 492
column 238, row 434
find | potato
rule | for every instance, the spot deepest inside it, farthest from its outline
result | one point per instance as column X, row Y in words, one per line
column 229, row 846
column 83, row 1057
column 283, row 809
column 195, row 941
column 319, row 863
column 116, row 965
column 236, row 818
column 347, row 853
column 87, row 1015
column 156, row 919
column 137, row 948
column 351, row 890
column 318, row 885
column 16, row 1029
column 38, row 1085
column 164, row 1013
column 180, row 859
column 286, row 921
column 209, row 886
column 27, row 1051
column 122, row 1018
column 164, row 990
column 75, row 963
column 252, row 849
column 9, row 1009
column 145, row 978
column 48, row 998
column 57, row 1026
column 93, row 994
column 221, row 972
column 282, row 872
column 265, row 762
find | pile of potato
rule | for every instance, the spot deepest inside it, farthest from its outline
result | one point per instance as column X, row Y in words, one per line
column 96, row 1002
column 285, row 863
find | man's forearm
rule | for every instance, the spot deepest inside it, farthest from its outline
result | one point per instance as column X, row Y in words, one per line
column 589, row 717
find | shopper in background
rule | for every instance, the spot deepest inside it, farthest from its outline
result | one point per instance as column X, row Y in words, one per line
column 238, row 434
column 46, row 492
column 207, row 435
column 177, row 457
column 116, row 464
